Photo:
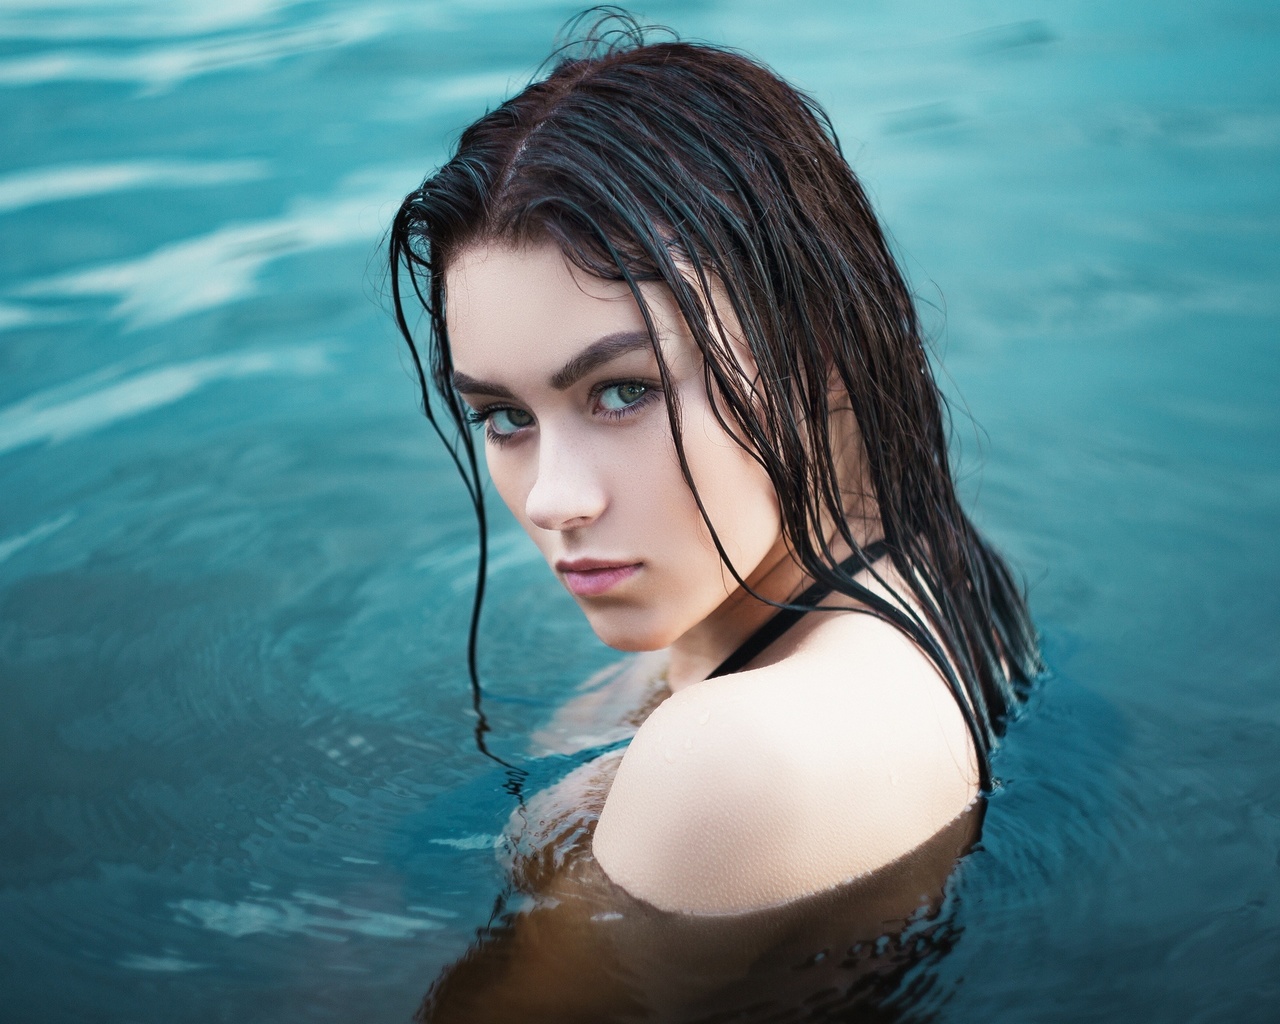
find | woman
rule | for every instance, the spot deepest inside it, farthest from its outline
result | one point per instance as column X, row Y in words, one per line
column 656, row 283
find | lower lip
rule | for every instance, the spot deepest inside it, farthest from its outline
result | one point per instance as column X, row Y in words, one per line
column 594, row 582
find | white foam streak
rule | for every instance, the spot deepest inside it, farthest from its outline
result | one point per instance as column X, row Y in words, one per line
column 126, row 19
column 91, row 404
column 486, row 85
column 417, row 98
column 211, row 270
column 306, row 914
column 77, row 181
column 162, row 67
column 10, row 547
column 475, row 841
column 15, row 316
column 161, row 964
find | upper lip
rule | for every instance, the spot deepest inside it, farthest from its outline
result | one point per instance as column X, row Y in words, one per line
column 588, row 564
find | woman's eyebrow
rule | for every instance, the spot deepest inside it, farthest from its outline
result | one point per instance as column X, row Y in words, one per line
column 465, row 385
column 596, row 354
column 599, row 352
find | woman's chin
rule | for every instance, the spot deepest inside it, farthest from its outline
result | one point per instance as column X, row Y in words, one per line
column 629, row 630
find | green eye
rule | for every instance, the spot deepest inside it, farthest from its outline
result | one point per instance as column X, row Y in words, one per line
column 508, row 421
column 619, row 396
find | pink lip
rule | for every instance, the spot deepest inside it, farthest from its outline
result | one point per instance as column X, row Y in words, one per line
column 591, row 577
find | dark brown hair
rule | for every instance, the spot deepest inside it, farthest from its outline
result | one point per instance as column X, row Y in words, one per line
column 698, row 167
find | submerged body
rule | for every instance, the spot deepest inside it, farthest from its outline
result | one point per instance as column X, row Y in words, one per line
column 579, row 947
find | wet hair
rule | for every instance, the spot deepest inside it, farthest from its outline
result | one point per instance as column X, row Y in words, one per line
column 697, row 167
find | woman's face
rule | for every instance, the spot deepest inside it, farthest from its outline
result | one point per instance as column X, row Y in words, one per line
column 558, row 366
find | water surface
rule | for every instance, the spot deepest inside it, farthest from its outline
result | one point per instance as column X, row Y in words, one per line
column 237, row 774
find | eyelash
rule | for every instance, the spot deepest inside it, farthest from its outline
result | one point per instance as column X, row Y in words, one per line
column 476, row 417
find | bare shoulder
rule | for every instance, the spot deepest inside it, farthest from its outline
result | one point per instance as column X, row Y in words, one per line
column 756, row 789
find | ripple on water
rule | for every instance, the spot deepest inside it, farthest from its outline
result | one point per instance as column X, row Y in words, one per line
column 107, row 397
column 303, row 913
column 185, row 277
column 22, row 189
column 240, row 777
column 161, row 67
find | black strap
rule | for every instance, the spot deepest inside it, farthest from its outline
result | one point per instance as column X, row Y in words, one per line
column 788, row 617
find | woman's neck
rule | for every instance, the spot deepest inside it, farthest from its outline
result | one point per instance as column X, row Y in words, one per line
column 779, row 577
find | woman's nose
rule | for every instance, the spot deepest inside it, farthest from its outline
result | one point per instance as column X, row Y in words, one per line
column 567, row 492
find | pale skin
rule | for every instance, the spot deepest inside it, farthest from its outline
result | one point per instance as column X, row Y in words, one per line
column 840, row 749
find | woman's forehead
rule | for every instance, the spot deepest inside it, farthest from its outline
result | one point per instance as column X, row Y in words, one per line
column 530, row 305
column 485, row 280
column 527, row 307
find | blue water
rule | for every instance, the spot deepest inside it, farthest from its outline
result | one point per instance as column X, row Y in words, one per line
column 237, row 774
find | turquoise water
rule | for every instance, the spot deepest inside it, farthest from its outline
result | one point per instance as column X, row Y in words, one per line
column 236, row 759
